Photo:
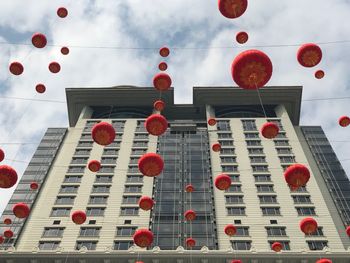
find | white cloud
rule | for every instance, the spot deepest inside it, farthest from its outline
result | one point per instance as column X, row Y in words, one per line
column 180, row 23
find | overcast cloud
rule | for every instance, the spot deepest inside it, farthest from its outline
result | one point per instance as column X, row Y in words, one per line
column 153, row 23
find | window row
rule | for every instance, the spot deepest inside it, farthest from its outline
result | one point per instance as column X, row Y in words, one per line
column 92, row 211
column 271, row 211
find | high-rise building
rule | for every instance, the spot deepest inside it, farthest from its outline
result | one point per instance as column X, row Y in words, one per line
column 259, row 202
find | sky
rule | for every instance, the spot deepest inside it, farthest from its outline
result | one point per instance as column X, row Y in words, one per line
column 114, row 42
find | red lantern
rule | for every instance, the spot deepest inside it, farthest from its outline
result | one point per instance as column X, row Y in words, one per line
column 269, row 130
column 7, row 221
column 189, row 188
column 236, row 261
column 230, row 230
column 62, row 12
column 16, row 68
column 164, row 52
column 251, row 69
column 190, row 215
column 319, row 74
column 344, row 121
column 65, row 50
column 79, row 217
column 223, row 182
column 2, row 155
column 156, row 124
column 308, row 225
column 151, row 164
column 190, row 242
column 54, row 67
column 103, row 133
column 309, row 55
column 8, row 233
column 216, row 147
column 143, row 237
column 146, row 203
column 297, row 175
column 348, row 231
column 159, row 105
column 232, row 8
column 94, row 165
column 163, row 66
column 211, row 121
column 8, row 176
column 40, row 88
column 21, row 210
column 324, row 260
column 1, row 239
column 242, row 37
column 34, row 186
column 276, row 246
column 39, row 40
column 162, row 82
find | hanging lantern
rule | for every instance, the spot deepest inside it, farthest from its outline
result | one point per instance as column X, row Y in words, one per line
column 2, row 155
column 308, row 225
column 216, row 147
column 65, row 50
column 16, row 68
column 230, row 230
column 151, row 164
column 163, row 66
column 21, row 210
column 348, row 231
column 164, row 52
column 211, row 121
column 159, row 105
column 242, row 37
column 162, row 82
column 79, row 217
column 8, row 233
column 94, row 166
column 54, row 67
column 7, row 221
column 324, row 260
column 309, row 55
column 276, row 246
column 40, row 88
column 34, row 186
column 143, row 237
column 103, row 133
column 297, row 175
column 190, row 242
column 146, row 203
column 319, row 74
column 344, row 121
column 190, row 215
column 232, row 8
column 251, row 69
column 62, row 12
column 223, row 182
column 2, row 239
column 39, row 40
column 269, row 130
column 236, row 261
column 156, row 124
column 189, row 188
column 8, row 176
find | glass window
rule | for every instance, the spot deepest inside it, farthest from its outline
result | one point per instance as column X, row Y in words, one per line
column 89, row 231
column 131, row 199
column 242, row 231
column 101, row 189
column 90, row 245
column 98, row 199
column 95, row 211
column 229, row 168
column 249, row 125
column 281, row 143
column 122, row 245
column 125, row 231
column 132, row 211
column 103, row 179
column 227, row 151
column 76, row 169
column 69, row 189
column 82, row 152
column 262, row 178
column 234, row 188
column 106, row 169
column 133, row 188
column 234, row 199
column 236, row 211
column 306, row 211
column 108, row 160
column 223, row 125
column 224, row 135
column 228, row 159
column 141, row 136
column 318, row 232
column 241, row 245
column 257, row 159
column 60, row 212
column 265, row 188
column 65, row 200
column 110, row 152
column 260, row 168
column 301, row 189
column 285, row 244
column 85, row 144
column 253, row 143
column 140, row 144
column 48, row 245
column 134, row 179
column 317, row 245
column 276, row 231
column 251, row 135
column 301, row 199
column 72, row 179
column 287, row 159
column 226, row 143
column 255, row 150
column 79, row 160
column 284, row 150
column 270, row 211
column 138, row 151
column 268, row 199
column 53, row 232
